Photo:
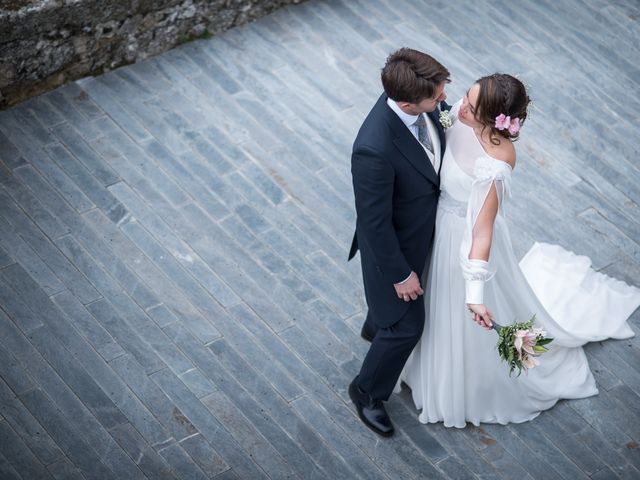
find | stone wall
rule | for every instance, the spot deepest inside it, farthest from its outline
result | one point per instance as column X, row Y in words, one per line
column 46, row 43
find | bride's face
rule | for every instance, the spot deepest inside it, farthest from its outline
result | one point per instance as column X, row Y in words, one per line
column 467, row 111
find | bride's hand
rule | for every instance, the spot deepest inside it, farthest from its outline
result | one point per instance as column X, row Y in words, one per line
column 481, row 315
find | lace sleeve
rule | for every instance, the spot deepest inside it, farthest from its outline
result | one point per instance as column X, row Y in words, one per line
column 491, row 185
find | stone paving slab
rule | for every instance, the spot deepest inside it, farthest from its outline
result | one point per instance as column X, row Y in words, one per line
column 175, row 300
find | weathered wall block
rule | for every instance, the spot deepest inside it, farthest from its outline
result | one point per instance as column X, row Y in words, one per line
column 45, row 43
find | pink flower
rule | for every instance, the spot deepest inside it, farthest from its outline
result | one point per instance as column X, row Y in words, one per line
column 524, row 342
column 530, row 361
column 528, row 343
column 515, row 126
column 505, row 123
column 502, row 121
column 519, row 340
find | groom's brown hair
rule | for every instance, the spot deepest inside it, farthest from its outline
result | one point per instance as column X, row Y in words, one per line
column 411, row 76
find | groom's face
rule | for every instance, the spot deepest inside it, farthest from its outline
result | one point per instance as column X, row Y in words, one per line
column 426, row 105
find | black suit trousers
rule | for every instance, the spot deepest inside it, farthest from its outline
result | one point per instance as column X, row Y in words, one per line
column 389, row 352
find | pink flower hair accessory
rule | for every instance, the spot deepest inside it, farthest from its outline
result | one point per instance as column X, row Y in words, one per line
column 504, row 122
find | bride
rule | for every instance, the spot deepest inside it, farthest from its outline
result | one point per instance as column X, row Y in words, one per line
column 455, row 373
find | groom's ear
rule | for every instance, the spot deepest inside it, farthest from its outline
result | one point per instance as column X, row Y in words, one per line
column 406, row 107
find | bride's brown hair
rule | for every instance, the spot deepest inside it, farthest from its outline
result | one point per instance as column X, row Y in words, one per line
column 501, row 93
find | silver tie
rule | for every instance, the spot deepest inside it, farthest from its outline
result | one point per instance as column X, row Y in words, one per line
column 423, row 132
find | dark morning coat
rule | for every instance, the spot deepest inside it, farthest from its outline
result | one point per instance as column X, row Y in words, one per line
column 396, row 193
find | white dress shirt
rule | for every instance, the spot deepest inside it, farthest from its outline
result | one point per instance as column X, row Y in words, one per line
column 409, row 121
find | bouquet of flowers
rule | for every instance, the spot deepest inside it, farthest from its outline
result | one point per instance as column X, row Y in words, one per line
column 519, row 344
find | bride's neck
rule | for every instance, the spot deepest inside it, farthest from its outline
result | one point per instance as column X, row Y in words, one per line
column 483, row 134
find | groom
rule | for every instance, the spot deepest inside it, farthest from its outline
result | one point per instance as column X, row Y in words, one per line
column 395, row 166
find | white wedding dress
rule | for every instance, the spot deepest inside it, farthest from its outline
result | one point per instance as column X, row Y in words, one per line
column 455, row 372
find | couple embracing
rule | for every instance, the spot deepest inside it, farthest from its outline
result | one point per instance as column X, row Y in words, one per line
column 430, row 182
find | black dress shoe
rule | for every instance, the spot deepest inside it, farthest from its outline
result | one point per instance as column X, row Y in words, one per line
column 367, row 334
column 371, row 412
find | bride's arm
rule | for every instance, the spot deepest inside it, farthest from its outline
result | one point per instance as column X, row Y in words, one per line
column 476, row 267
column 482, row 232
column 475, row 250
column 490, row 186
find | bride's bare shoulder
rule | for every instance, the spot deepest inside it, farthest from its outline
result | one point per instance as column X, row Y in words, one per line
column 505, row 152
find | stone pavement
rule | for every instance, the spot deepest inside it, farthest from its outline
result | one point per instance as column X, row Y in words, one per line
column 175, row 298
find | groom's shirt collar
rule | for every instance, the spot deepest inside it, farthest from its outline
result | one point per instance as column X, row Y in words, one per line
column 407, row 119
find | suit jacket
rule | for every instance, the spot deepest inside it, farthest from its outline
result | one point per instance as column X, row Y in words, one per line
column 396, row 193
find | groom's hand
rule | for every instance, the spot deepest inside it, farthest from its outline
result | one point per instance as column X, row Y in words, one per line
column 410, row 289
